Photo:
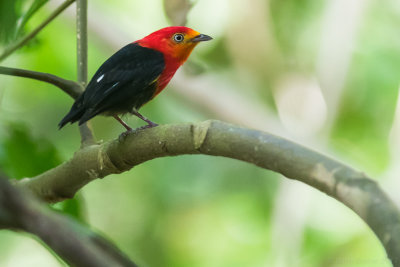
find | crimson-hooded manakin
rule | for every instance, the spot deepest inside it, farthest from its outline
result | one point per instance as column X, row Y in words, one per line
column 134, row 75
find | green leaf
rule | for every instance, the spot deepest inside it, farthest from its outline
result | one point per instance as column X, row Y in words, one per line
column 10, row 12
column 14, row 15
column 35, row 6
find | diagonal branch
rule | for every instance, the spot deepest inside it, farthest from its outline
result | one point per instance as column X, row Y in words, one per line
column 352, row 188
column 72, row 88
column 21, row 42
column 77, row 245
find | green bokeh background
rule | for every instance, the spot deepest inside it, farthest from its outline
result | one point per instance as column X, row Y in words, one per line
column 322, row 73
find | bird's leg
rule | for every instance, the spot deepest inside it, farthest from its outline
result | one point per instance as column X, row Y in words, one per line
column 128, row 129
column 150, row 124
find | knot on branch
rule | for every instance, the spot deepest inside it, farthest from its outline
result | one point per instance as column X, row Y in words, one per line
column 199, row 133
column 106, row 164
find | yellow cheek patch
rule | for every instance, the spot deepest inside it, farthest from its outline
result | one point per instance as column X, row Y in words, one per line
column 182, row 50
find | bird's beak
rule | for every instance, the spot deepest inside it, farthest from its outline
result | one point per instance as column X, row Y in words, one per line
column 201, row 38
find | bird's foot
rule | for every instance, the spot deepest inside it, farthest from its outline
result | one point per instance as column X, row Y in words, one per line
column 150, row 125
column 123, row 135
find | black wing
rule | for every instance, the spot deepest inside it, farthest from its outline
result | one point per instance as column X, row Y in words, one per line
column 127, row 80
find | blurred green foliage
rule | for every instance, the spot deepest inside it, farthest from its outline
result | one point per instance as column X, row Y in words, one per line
column 293, row 21
column 10, row 12
column 14, row 15
column 34, row 7
column 368, row 106
column 197, row 210
column 24, row 156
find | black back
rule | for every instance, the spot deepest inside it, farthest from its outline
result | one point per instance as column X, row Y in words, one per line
column 126, row 81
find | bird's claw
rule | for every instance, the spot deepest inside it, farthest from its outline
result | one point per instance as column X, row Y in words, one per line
column 150, row 125
column 123, row 135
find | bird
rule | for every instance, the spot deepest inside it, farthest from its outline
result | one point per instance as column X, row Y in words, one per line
column 134, row 75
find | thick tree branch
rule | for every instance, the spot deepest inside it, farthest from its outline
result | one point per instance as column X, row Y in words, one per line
column 352, row 188
column 87, row 137
column 72, row 242
column 72, row 88
column 21, row 42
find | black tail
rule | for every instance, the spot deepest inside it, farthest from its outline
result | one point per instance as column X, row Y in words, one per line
column 86, row 115
column 75, row 114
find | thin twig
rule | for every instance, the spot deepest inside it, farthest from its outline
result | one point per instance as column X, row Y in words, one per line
column 87, row 137
column 82, row 42
column 21, row 42
column 72, row 88
column 351, row 187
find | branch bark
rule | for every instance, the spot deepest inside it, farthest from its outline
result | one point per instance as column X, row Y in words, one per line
column 85, row 130
column 81, row 41
column 72, row 88
column 351, row 187
column 74, row 243
column 21, row 42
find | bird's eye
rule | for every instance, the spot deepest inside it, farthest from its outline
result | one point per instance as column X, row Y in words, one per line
column 178, row 37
